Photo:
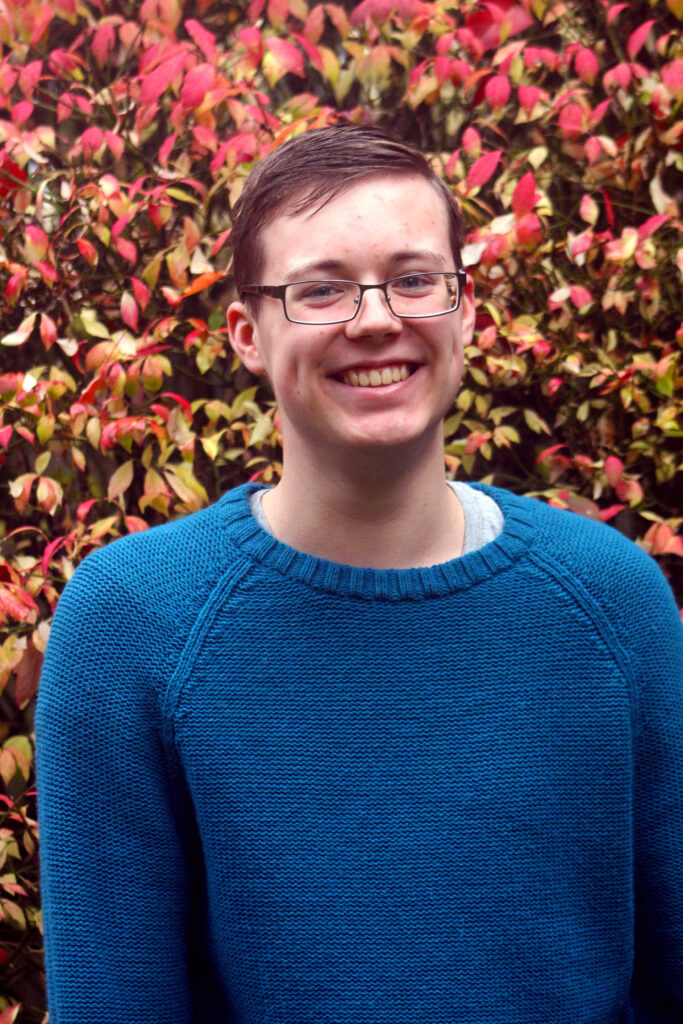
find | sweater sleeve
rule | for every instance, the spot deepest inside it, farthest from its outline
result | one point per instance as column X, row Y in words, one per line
column 657, row 650
column 114, row 866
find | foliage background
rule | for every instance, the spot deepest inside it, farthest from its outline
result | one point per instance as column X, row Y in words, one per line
column 126, row 133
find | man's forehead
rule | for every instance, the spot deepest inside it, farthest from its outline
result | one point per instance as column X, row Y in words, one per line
column 373, row 204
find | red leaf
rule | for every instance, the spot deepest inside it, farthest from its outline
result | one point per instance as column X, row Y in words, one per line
column 586, row 65
column 141, row 293
column 482, row 169
column 497, row 92
column 29, row 76
column 182, row 402
column 570, row 119
column 103, row 41
column 524, row 196
column 614, row 470
column 287, row 55
column 529, row 95
column 614, row 12
column 84, row 508
column 253, row 44
column 196, row 84
column 547, row 452
column 87, row 251
column 129, row 311
column 311, row 51
column 115, row 144
column 166, row 148
column 21, row 112
column 48, row 330
column 91, row 140
column 220, row 241
column 126, row 249
column 202, row 37
column 637, row 38
column 54, row 545
column 529, row 230
column 610, row 512
column 154, row 83
column 651, row 225
column 580, row 296
column 37, row 242
column 48, row 272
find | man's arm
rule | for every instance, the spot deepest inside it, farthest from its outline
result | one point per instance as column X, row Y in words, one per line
column 114, row 873
column 658, row 808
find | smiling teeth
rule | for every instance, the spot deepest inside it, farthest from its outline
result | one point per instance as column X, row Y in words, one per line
column 376, row 378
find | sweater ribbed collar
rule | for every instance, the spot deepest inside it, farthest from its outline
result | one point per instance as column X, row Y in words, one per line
column 383, row 584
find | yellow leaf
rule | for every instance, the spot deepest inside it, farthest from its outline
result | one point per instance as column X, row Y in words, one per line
column 120, row 480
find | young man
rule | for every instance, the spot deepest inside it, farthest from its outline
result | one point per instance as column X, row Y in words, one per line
column 365, row 748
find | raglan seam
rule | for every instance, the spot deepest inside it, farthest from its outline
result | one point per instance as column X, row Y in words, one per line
column 171, row 695
column 582, row 597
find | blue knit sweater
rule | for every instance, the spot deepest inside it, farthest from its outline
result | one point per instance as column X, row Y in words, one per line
column 278, row 790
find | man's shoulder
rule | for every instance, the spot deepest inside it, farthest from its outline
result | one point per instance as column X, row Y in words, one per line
column 160, row 575
column 616, row 581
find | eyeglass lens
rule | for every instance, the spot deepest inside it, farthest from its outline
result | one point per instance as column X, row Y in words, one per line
column 412, row 295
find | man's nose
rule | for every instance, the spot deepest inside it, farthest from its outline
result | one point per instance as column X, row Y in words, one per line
column 374, row 316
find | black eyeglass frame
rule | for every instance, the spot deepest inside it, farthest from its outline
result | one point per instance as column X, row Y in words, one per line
column 278, row 291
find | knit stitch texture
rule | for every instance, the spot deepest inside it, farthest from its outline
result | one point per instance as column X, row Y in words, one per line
column 277, row 790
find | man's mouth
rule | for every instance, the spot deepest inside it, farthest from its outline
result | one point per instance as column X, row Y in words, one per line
column 376, row 376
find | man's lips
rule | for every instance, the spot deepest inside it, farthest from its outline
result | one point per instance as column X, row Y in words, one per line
column 375, row 376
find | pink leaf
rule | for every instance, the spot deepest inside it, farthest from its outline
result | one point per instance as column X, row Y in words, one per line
column 48, row 272
column 36, row 242
column 497, row 92
column 21, row 112
column 103, row 41
column 115, row 144
column 196, row 84
column 87, row 251
column 571, row 120
column 614, row 12
column 524, row 195
column 202, row 37
column 141, row 293
column 129, row 311
column 580, row 296
column 482, row 169
column 154, row 83
column 287, row 55
column 651, row 225
column 91, row 140
column 586, row 65
column 166, row 148
column 529, row 95
column 614, row 470
column 637, row 38
column 126, row 249
column 48, row 330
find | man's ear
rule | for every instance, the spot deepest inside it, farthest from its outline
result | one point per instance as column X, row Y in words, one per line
column 243, row 334
column 467, row 322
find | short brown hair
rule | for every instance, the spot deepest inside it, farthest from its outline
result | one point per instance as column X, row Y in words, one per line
column 314, row 168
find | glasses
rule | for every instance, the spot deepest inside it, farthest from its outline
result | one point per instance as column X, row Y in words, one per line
column 335, row 302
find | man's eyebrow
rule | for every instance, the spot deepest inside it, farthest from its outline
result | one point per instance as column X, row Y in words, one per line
column 304, row 271
column 419, row 254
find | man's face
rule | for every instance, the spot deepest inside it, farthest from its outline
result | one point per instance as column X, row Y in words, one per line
column 381, row 228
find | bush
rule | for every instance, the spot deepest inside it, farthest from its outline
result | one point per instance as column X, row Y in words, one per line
column 126, row 133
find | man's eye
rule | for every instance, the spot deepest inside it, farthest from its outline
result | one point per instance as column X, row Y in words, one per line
column 415, row 283
column 319, row 292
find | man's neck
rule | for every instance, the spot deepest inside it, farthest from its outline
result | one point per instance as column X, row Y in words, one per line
column 373, row 514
